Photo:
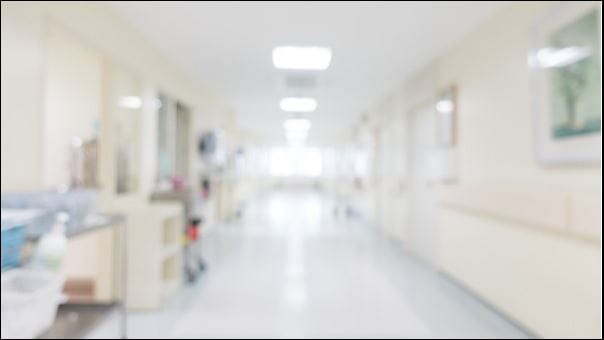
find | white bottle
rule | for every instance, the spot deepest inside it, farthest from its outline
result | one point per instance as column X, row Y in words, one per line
column 52, row 246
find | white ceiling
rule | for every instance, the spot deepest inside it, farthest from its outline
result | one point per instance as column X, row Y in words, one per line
column 227, row 46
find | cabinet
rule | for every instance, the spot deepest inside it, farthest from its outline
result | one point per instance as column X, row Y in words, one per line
column 154, row 254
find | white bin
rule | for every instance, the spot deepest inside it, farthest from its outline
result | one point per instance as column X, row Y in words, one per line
column 29, row 302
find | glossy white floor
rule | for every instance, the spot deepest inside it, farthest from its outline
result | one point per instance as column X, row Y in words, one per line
column 293, row 268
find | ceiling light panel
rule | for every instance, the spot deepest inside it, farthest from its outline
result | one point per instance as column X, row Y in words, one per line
column 301, row 58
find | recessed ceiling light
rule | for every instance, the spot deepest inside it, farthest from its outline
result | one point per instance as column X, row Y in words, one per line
column 301, row 58
column 298, row 104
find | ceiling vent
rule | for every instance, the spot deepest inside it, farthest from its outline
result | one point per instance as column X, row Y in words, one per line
column 302, row 82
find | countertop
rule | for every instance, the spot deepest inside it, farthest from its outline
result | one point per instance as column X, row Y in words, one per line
column 92, row 222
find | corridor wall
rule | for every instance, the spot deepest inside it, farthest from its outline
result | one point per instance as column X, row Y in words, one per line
column 26, row 32
column 538, row 262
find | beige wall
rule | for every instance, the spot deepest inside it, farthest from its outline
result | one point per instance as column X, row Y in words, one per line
column 72, row 100
column 64, row 65
column 548, row 280
column 97, row 29
column 22, row 104
column 490, row 66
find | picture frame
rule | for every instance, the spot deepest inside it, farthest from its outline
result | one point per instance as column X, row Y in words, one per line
column 565, row 64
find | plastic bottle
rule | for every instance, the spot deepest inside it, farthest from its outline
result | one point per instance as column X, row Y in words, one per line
column 52, row 246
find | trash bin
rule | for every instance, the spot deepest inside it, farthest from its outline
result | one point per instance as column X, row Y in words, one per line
column 30, row 300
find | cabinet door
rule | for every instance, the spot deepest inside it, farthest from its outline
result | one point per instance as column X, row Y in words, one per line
column 90, row 267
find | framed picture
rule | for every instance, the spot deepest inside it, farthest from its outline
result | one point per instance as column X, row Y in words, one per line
column 565, row 62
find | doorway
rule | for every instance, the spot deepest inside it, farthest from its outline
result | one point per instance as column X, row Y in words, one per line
column 422, row 218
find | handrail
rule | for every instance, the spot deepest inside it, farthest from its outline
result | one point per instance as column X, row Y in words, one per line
column 572, row 212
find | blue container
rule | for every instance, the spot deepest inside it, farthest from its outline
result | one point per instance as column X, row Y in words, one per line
column 13, row 239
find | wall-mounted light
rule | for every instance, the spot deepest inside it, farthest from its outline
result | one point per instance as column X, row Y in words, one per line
column 301, row 58
column 156, row 103
column 444, row 106
column 298, row 104
column 130, row 102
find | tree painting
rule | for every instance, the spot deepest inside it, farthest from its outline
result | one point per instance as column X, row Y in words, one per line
column 575, row 83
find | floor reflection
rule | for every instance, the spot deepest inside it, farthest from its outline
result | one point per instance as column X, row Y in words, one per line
column 292, row 268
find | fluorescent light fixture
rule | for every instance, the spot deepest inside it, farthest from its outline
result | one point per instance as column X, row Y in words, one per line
column 296, row 124
column 560, row 57
column 298, row 104
column 444, row 106
column 130, row 102
column 301, row 58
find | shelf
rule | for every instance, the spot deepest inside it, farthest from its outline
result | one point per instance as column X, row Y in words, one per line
column 172, row 230
column 170, row 251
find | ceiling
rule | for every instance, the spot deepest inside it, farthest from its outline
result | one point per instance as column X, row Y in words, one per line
column 227, row 46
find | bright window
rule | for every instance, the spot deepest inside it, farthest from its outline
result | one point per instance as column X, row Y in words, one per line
column 296, row 161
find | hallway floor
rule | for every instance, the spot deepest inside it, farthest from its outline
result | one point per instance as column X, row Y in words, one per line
column 294, row 266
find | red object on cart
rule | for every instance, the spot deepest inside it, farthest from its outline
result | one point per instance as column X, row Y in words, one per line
column 193, row 229
column 193, row 232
